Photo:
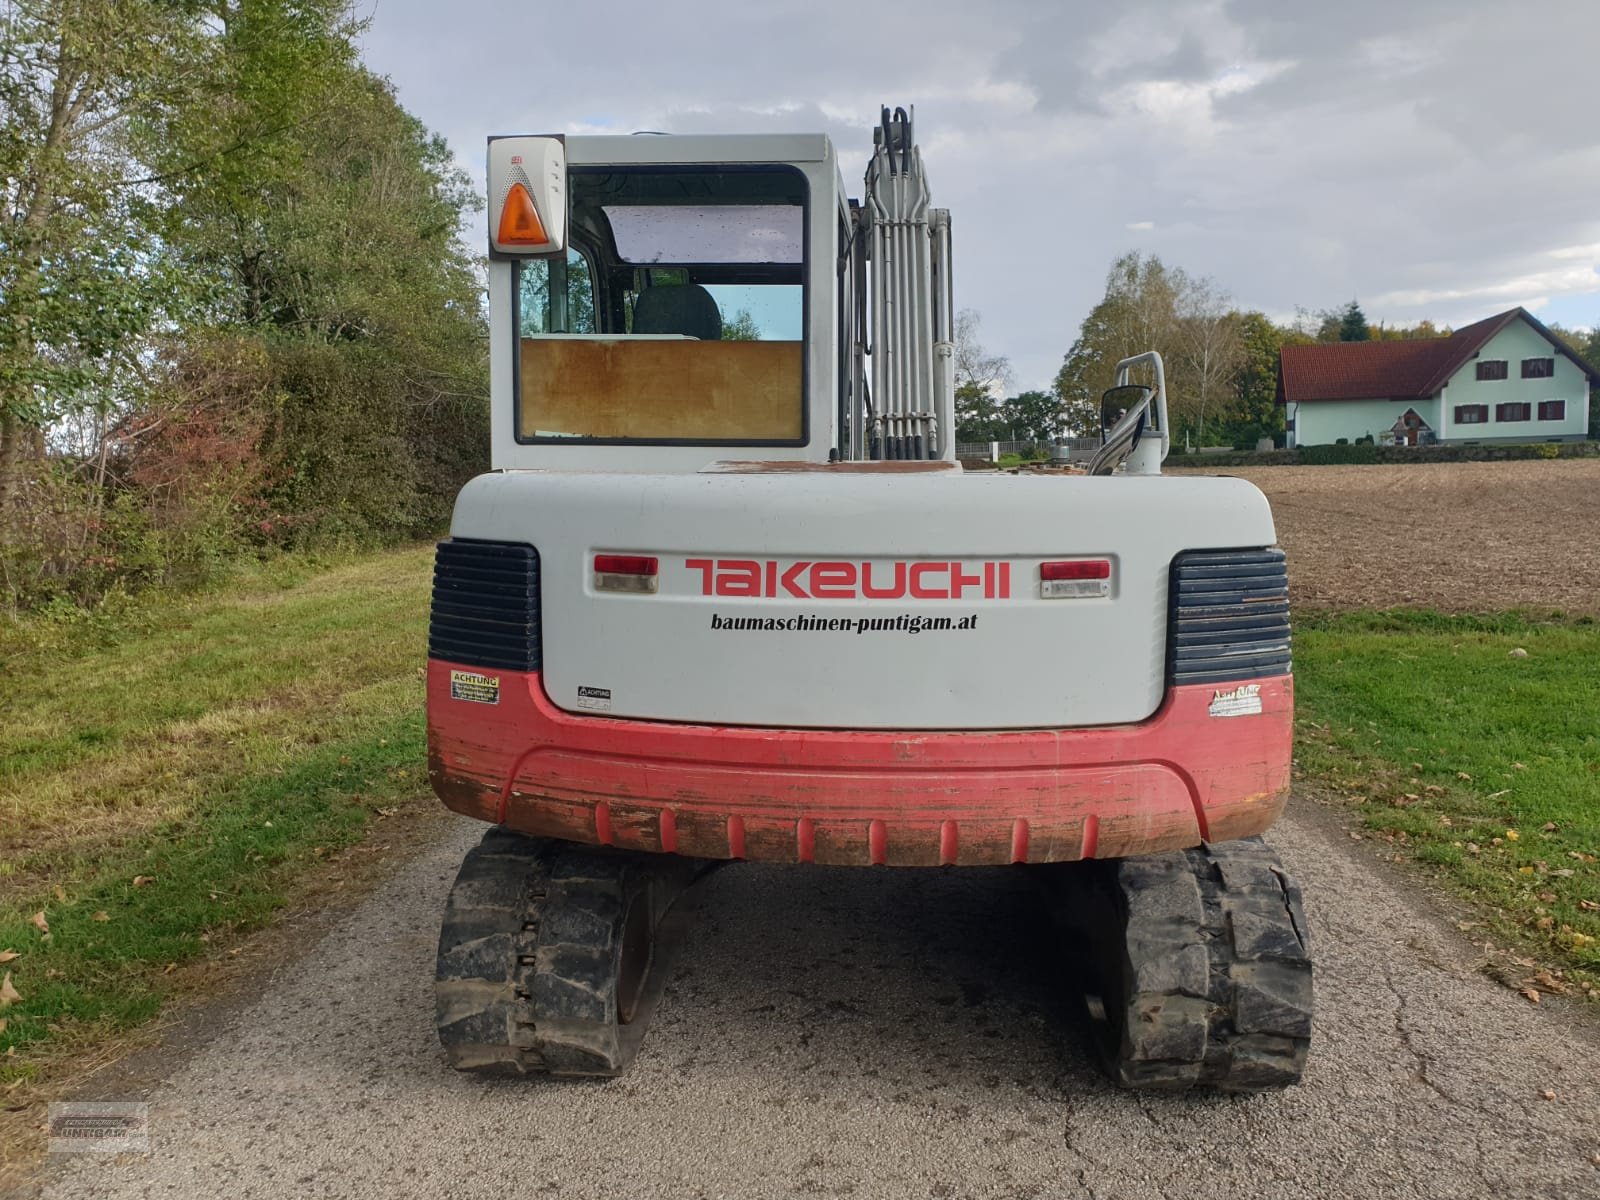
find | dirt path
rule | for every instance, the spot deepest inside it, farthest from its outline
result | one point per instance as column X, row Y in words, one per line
column 872, row 1034
column 1462, row 537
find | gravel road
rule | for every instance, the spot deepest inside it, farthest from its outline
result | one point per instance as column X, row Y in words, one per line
column 876, row 1034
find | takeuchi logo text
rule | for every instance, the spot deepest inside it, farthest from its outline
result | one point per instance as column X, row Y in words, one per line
column 832, row 579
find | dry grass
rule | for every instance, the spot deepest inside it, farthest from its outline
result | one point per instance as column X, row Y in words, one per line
column 1456, row 537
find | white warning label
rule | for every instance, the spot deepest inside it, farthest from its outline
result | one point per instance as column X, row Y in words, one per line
column 1242, row 701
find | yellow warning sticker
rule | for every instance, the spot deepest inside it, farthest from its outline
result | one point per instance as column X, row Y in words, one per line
column 469, row 685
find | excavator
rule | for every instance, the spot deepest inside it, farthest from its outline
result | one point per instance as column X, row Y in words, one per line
column 726, row 594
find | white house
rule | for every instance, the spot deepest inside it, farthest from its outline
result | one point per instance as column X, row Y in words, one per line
column 1505, row 379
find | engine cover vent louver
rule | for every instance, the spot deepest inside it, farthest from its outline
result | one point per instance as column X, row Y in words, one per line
column 485, row 605
column 1228, row 617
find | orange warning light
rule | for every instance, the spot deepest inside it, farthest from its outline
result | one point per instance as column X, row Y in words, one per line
column 519, row 220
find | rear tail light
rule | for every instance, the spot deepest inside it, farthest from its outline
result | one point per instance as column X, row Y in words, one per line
column 1075, row 579
column 625, row 573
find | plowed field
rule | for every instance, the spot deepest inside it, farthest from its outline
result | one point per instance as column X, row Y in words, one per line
column 1459, row 537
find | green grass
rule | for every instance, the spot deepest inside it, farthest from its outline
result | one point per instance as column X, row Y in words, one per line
column 1018, row 460
column 1485, row 764
column 215, row 750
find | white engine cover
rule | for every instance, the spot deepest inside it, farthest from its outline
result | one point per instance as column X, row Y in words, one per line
column 766, row 581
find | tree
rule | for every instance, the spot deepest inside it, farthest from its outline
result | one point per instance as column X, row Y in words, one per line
column 1210, row 349
column 979, row 375
column 75, row 271
column 1151, row 306
column 324, row 220
column 1032, row 417
column 1138, row 313
column 742, row 328
column 1254, row 411
column 1353, row 324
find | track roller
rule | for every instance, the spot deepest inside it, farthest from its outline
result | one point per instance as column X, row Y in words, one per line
column 1200, row 968
column 548, row 959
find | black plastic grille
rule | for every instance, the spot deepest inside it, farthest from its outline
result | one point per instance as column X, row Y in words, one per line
column 1229, row 616
column 485, row 605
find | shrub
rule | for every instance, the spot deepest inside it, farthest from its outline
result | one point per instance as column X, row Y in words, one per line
column 1337, row 454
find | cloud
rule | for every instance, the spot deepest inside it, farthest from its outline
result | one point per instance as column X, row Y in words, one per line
column 1435, row 158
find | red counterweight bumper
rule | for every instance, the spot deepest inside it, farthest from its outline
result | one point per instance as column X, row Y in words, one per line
column 1187, row 774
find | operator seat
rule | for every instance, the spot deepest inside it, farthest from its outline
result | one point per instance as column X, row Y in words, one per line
column 685, row 308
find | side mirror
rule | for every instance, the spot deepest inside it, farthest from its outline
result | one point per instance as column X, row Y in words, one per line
column 1117, row 402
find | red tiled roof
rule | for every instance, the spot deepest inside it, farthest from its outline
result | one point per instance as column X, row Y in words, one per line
column 1407, row 370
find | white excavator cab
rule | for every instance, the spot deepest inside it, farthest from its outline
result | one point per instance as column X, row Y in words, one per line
column 652, row 297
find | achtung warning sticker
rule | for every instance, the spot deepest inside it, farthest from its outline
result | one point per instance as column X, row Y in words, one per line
column 595, row 699
column 469, row 685
column 1242, row 701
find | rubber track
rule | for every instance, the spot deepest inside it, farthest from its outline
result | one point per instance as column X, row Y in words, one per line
column 1215, row 985
column 529, row 954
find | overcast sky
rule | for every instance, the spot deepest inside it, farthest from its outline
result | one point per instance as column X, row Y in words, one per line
column 1431, row 158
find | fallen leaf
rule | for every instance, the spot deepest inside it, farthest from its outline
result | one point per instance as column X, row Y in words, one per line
column 2, row 1024
column 1531, row 995
column 1519, row 652
column 1544, row 979
column 39, row 923
column 7, row 955
column 142, row 880
column 1547, row 1094
column 1546, row 922
column 8, row 994
column 61, row 893
column 387, row 812
column 1547, row 897
column 1586, row 905
column 100, row 915
column 1464, row 775
column 1472, row 848
column 1354, row 836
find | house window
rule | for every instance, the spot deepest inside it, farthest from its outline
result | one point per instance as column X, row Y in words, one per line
column 1472, row 414
column 1552, row 410
column 1494, row 368
column 1512, row 412
column 1538, row 368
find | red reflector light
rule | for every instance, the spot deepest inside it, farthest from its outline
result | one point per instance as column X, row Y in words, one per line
column 625, row 564
column 1082, row 568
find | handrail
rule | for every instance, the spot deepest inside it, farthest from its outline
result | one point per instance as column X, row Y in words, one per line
column 1130, row 440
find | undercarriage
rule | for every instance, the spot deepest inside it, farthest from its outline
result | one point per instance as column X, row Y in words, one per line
column 1192, row 967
